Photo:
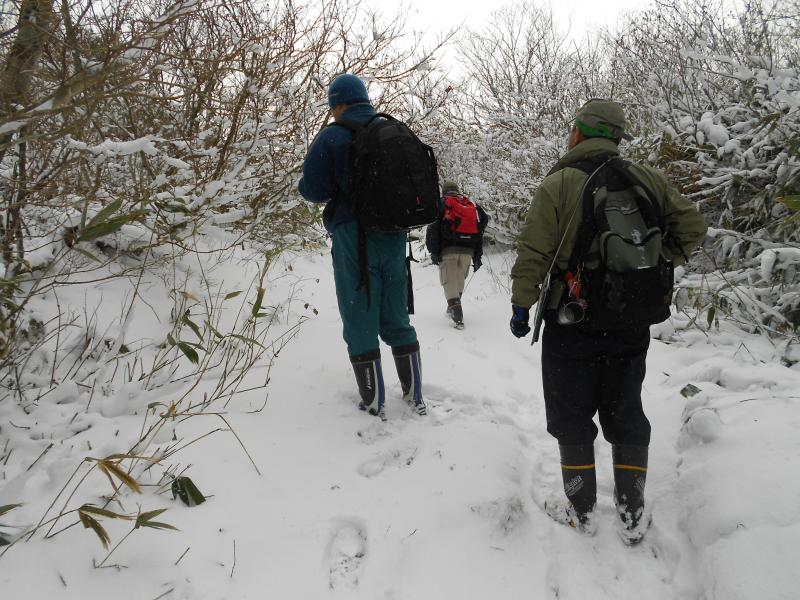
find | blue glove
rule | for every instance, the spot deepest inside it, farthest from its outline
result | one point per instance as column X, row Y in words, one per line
column 436, row 259
column 519, row 321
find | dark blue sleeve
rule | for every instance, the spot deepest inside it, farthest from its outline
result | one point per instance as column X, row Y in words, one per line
column 324, row 167
column 483, row 221
column 433, row 238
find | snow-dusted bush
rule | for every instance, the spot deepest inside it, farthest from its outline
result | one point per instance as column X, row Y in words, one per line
column 523, row 82
column 713, row 96
column 718, row 104
column 717, row 97
column 140, row 142
column 184, row 117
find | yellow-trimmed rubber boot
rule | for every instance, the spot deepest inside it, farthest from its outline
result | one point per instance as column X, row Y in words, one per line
column 630, row 475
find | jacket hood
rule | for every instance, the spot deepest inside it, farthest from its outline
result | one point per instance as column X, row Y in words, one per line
column 359, row 113
column 587, row 150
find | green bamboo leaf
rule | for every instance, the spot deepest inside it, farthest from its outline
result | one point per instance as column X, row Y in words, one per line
column 8, row 508
column 112, row 225
column 150, row 514
column 159, row 525
column 259, row 300
column 97, row 231
column 190, row 352
column 171, row 340
column 4, row 541
column 102, row 512
column 145, row 519
column 180, row 208
column 791, row 202
column 792, row 220
column 216, row 333
column 232, row 295
column 87, row 254
column 185, row 489
column 249, row 340
column 193, row 326
column 105, row 212
column 711, row 313
column 90, row 522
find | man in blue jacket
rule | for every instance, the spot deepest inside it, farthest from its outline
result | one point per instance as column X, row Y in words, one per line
column 380, row 310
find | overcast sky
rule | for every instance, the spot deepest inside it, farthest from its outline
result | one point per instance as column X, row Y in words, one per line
column 435, row 16
column 584, row 15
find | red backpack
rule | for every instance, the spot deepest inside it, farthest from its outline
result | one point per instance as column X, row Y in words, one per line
column 460, row 220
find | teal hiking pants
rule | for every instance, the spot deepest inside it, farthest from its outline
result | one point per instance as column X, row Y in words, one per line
column 387, row 313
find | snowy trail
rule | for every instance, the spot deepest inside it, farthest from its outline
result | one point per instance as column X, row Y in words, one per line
column 448, row 506
column 451, row 502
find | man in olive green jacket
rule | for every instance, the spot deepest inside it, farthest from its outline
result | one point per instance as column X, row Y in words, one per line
column 586, row 371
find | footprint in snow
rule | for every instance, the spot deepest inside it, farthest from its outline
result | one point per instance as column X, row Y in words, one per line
column 393, row 458
column 505, row 514
column 346, row 552
column 376, row 431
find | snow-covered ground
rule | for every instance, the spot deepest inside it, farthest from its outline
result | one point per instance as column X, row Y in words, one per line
column 441, row 507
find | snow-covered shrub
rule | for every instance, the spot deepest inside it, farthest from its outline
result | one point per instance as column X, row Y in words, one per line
column 715, row 98
column 195, row 119
column 752, row 281
column 140, row 142
column 523, row 82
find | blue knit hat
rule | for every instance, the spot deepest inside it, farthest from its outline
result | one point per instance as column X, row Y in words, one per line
column 347, row 89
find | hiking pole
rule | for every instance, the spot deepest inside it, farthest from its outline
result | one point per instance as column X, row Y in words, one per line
column 544, row 293
column 466, row 285
column 544, row 296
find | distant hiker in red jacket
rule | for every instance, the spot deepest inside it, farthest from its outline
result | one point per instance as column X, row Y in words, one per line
column 454, row 241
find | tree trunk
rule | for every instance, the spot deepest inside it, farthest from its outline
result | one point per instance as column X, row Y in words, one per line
column 32, row 32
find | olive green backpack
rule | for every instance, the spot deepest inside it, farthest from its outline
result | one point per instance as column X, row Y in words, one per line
column 625, row 280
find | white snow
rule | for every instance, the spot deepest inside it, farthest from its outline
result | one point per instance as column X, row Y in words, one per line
column 716, row 133
column 447, row 506
column 117, row 148
column 11, row 126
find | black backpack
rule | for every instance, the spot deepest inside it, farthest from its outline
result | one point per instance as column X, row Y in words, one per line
column 625, row 280
column 394, row 181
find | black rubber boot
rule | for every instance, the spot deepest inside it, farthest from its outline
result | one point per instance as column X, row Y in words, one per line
column 409, row 370
column 369, row 376
column 455, row 312
column 630, row 473
column 580, row 478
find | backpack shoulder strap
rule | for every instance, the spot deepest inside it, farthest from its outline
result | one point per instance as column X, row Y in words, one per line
column 603, row 174
column 651, row 210
column 587, row 230
column 349, row 125
column 353, row 125
column 588, row 166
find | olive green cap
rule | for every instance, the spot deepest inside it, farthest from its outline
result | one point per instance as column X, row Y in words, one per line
column 449, row 188
column 602, row 118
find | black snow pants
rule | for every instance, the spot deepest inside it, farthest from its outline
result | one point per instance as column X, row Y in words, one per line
column 585, row 373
